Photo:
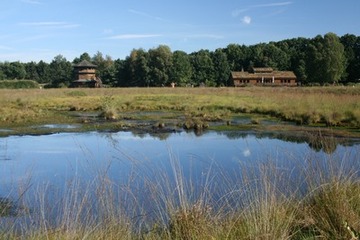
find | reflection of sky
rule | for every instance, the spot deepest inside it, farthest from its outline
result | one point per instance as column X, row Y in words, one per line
column 58, row 158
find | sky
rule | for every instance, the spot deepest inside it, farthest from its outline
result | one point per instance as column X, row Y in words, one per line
column 34, row 30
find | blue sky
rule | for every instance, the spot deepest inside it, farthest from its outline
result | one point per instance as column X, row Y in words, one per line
column 34, row 30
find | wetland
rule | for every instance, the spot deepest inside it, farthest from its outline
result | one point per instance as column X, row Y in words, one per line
column 160, row 163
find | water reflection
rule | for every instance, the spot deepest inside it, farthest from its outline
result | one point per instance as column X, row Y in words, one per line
column 315, row 140
column 138, row 162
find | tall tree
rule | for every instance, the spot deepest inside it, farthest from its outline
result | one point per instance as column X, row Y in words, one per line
column 221, row 68
column 61, row 71
column 297, row 48
column 138, row 71
column 181, row 70
column 142, row 68
column 334, row 58
column 326, row 59
column 122, row 74
column 2, row 74
column 44, row 72
column 352, row 52
column 160, row 62
column 203, row 66
column 31, row 71
column 84, row 56
column 238, row 56
column 314, row 60
column 14, row 70
column 275, row 57
column 105, row 68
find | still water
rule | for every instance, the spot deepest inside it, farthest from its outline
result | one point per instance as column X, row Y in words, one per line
column 30, row 163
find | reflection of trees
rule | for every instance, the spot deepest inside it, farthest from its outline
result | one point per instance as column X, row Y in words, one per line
column 235, row 134
column 110, row 136
column 7, row 207
column 161, row 135
column 316, row 140
column 139, row 134
column 319, row 142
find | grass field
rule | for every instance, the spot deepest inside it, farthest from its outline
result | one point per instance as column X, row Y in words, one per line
column 335, row 107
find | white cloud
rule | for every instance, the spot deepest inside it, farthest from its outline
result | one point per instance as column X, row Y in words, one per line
column 237, row 12
column 50, row 24
column 247, row 153
column 246, row 20
column 134, row 36
column 272, row 5
column 144, row 14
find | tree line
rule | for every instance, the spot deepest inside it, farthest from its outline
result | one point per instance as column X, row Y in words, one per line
column 326, row 59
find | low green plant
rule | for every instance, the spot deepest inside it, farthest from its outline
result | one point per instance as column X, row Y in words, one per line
column 76, row 93
column 18, row 84
column 108, row 108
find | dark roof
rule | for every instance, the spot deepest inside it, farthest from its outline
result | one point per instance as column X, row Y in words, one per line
column 276, row 74
column 85, row 63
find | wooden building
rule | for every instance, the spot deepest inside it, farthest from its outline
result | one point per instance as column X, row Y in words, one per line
column 264, row 77
column 85, row 75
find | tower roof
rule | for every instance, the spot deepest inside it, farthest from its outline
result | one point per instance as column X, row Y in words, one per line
column 85, row 63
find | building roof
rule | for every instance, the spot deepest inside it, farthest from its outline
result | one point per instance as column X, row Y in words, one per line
column 85, row 63
column 261, row 74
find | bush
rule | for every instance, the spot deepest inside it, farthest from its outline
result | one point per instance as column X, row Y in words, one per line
column 17, row 84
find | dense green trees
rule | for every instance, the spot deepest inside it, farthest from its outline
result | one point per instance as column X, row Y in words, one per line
column 324, row 59
column 351, row 45
column 181, row 70
column 203, row 68
column 221, row 68
column 160, row 63
column 60, row 72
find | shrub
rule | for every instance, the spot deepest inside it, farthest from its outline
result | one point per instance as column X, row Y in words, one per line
column 17, row 84
column 76, row 93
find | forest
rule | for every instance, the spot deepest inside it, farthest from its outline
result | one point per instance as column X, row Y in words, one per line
column 322, row 60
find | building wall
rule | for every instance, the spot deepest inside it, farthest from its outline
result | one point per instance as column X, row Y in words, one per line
column 265, row 81
column 87, row 73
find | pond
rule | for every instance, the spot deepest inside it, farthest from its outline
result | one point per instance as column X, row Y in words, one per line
column 213, row 162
